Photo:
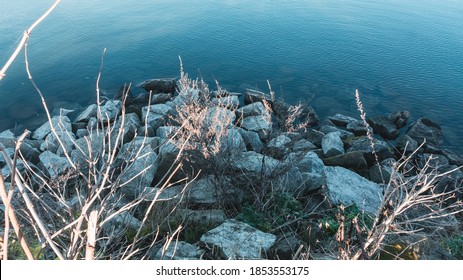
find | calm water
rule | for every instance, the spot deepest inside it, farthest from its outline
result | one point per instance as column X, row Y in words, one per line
column 402, row 55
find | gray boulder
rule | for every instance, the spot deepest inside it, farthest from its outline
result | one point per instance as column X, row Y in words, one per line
column 251, row 140
column 251, row 96
column 178, row 251
column 232, row 143
column 341, row 120
column 60, row 123
column 260, row 124
column 363, row 144
column 346, row 187
column 406, row 144
column 165, row 132
column 53, row 164
column 252, row 162
column 302, row 146
column 328, row 129
column 159, row 85
column 111, row 109
column 52, row 143
column 253, row 109
column 384, row 126
column 7, row 139
column 209, row 191
column 229, row 102
column 141, row 163
column 88, row 149
column 89, row 112
column 426, row 130
column 399, row 118
column 236, row 240
column 332, row 144
column 358, row 128
column 279, row 141
column 305, row 176
column 314, row 136
column 351, row 160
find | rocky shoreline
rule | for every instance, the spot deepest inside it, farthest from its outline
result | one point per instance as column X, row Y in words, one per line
column 266, row 146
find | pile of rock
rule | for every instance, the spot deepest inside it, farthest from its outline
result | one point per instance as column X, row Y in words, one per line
column 335, row 157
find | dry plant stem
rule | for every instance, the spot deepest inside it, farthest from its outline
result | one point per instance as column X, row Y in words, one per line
column 91, row 235
column 46, row 110
column 25, row 39
column 100, row 116
column 10, row 216
column 30, row 205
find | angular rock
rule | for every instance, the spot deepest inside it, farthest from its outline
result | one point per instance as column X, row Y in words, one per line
column 406, row 144
column 223, row 93
column 351, row 160
column 52, row 144
column 252, row 162
column 29, row 152
column 7, row 139
column 178, row 251
column 219, row 118
column 346, row 187
column 165, row 132
column 425, row 129
column 80, row 133
column 279, row 142
column 232, row 143
column 53, row 164
column 89, row 112
column 251, row 140
column 363, row 144
column 210, row 191
column 251, row 96
column 286, row 247
column 303, row 146
column 157, row 109
column 253, row 109
column 344, row 133
column 259, row 124
column 159, row 85
column 139, row 171
column 384, row 126
column 305, row 176
column 314, row 137
column 341, row 120
column 381, row 174
column 88, row 149
column 111, row 109
column 229, row 102
column 131, row 127
column 124, row 94
column 453, row 158
column 236, row 240
column 358, row 128
column 59, row 123
column 332, row 144
column 399, row 118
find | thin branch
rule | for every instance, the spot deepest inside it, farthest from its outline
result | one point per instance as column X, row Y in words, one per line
column 25, row 39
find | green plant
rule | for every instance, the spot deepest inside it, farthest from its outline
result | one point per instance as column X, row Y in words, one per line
column 454, row 245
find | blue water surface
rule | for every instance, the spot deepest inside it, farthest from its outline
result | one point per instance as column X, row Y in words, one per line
column 401, row 55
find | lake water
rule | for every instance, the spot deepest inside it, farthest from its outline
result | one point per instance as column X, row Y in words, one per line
column 401, row 55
